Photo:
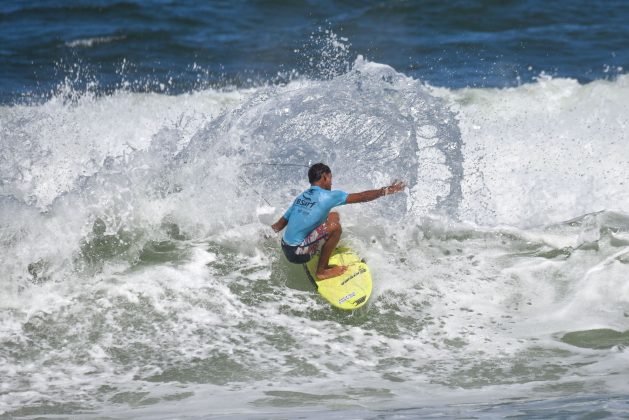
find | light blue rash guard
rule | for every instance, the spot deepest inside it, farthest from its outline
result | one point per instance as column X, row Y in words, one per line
column 309, row 210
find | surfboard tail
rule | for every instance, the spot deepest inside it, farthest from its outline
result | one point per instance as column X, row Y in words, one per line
column 349, row 290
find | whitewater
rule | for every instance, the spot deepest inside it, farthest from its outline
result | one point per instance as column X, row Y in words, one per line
column 140, row 278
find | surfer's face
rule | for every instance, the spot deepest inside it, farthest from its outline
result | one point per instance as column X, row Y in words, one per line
column 326, row 181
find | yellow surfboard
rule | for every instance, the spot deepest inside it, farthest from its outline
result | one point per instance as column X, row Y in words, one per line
column 351, row 289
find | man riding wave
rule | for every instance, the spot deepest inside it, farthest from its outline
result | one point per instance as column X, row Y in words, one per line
column 308, row 221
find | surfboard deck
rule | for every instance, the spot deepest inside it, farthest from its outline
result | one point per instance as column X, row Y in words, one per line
column 350, row 290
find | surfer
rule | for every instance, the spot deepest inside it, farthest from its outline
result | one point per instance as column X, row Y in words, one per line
column 308, row 220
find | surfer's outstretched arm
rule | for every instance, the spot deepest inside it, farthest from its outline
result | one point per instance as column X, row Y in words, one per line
column 279, row 225
column 370, row 195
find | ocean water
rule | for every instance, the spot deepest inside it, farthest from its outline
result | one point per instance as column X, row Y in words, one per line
column 146, row 146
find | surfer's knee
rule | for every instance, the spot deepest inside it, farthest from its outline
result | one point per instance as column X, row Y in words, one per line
column 334, row 227
column 334, row 222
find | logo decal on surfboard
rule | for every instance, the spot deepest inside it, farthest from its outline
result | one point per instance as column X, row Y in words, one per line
column 346, row 298
column 358, row 273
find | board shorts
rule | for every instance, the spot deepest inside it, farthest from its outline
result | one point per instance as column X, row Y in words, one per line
column 302, row 253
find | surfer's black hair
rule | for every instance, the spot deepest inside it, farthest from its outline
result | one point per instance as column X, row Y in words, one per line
column 316, row 171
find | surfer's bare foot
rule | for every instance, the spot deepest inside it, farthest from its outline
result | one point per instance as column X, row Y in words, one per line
column 330, row 272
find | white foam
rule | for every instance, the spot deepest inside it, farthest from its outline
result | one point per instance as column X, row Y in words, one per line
column 544, row 152
column 48, row 147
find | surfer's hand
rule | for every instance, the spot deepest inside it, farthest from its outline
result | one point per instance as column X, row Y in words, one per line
column 268, row 233
column 279, row 225
column 397, row 186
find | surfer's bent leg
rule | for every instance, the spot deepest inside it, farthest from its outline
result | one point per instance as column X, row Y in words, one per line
column 334, row 230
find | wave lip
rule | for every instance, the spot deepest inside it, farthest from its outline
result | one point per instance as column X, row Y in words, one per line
column 90, row 42
column 542, row 152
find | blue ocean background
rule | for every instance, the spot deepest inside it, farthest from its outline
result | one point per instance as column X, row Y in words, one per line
column 188, row 44
column 146, row 146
